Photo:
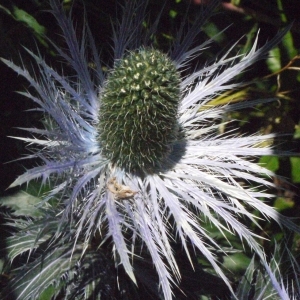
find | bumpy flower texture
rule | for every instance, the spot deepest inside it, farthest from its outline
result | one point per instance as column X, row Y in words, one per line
column 131, row 152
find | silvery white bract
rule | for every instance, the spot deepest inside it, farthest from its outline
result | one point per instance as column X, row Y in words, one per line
column 130, row 153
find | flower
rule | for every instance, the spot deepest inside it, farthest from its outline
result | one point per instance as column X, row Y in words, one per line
column 132, row 154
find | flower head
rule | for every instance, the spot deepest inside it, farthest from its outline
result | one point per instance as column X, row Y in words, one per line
column 136, row 131
column 134, row 155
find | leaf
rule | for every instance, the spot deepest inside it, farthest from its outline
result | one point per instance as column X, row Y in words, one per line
column 29, row 237
column 236, row 262
column 29, row 20
column 270, row 162
column 21, row 15
column 245, row 285
column 295, row 165
column 45, row 271
column 22, row 203
column 213, row 31
column 274, row 60
column 282, row 203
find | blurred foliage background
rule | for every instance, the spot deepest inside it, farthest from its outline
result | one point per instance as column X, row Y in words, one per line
column 28, row 24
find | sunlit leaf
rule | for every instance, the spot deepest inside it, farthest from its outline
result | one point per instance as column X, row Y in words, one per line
column 295, row 165
column 29, row 20
column 273, row 61
column 270, row 162
column 282, row 203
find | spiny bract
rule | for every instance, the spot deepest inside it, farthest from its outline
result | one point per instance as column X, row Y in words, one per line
column 138, row 112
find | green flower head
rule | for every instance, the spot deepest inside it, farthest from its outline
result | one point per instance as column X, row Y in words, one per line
column 138, row 111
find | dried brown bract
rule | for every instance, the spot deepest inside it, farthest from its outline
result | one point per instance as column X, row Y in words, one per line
column 119, row 190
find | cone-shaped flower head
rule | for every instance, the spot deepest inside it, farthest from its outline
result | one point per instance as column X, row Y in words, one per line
column 136, row 155
column 138, row 111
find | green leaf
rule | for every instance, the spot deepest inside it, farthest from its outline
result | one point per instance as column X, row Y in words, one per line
column 29, row 20
column 287, row 41
column 22, row 203
column 236, row 262
column 282, row 203
column 273, row 61
column 288, row 44
column 245, row 285
column 48, row 293
column 270, row 162
column 21, row 15
column 173, row 13
column 295, row 165
column 213, row 32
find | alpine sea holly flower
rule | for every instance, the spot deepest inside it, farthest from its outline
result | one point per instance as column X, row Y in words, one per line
column 131, row 152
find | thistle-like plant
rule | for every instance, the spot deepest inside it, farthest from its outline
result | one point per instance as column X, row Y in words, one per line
column 258, row 283
column 134, row 161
